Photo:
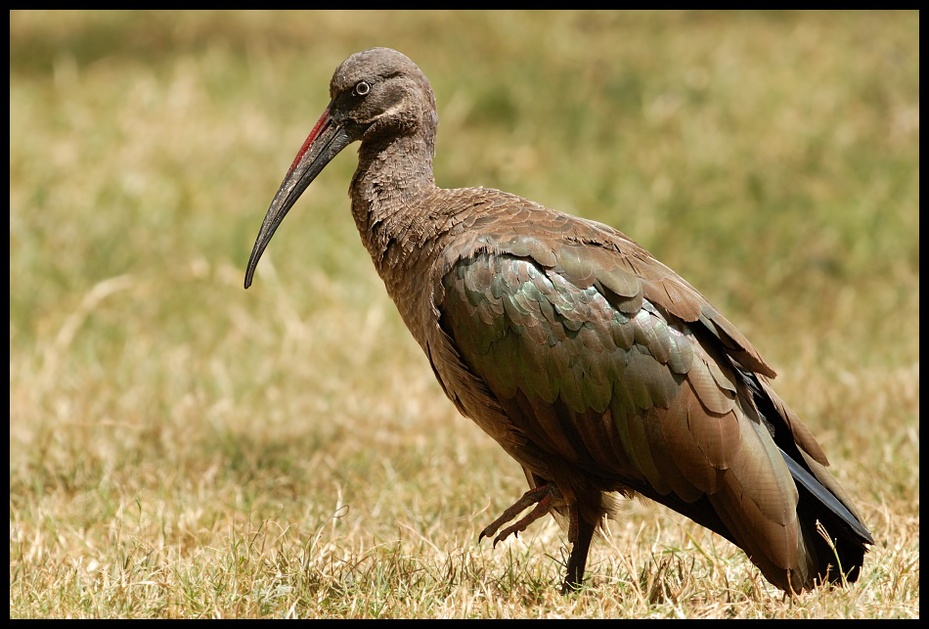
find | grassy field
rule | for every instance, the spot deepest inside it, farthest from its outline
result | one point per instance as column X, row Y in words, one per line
column 180, row 447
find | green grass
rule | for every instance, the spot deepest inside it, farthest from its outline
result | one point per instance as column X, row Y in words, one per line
column 180, row 447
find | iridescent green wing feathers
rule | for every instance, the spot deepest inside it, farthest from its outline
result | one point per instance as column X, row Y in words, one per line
column 576, row 342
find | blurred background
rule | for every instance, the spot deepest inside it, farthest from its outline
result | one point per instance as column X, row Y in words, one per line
column 772, row 159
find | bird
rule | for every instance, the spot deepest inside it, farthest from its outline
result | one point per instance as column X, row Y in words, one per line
column 600, row 370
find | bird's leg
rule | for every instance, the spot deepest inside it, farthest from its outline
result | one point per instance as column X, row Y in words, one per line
column 580, row 533
column 580, row 530
column 544, row 497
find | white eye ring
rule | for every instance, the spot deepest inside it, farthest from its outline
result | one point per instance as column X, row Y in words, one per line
column 362, row 88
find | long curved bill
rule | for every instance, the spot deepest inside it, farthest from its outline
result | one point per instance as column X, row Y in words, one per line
column 325, row 141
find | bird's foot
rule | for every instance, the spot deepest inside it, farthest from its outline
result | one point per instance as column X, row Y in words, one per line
column 544, row 497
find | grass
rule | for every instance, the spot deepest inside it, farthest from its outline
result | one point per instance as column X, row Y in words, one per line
column 182, row 448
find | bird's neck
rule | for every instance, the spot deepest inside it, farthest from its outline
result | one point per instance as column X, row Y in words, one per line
column 388, row 190
column 393, row 197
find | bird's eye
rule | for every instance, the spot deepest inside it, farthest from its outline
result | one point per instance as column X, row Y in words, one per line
column 361, row 88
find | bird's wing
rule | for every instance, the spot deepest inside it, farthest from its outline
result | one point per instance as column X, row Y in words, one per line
column 592, row 363
column 594, row 356
column 590, row 273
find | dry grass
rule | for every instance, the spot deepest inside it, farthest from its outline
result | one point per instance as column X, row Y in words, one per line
column 182, row 448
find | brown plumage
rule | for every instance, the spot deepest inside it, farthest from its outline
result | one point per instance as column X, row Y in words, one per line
column 591, row 363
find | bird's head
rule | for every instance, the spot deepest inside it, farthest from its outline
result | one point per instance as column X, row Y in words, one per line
column 376, row 95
